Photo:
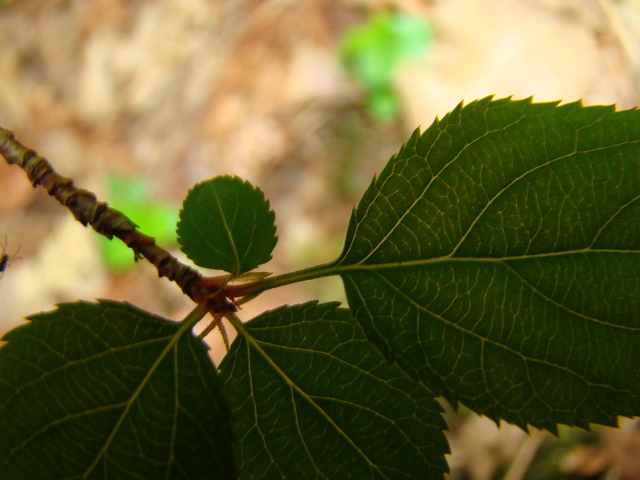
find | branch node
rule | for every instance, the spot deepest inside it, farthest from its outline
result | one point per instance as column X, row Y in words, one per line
column 110, row 222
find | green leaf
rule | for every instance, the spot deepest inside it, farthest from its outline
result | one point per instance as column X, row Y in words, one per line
column 373, row 51
column 226, row 224
column 314, row 399
column 497, row 259
column 154, row 217
column 109, row 391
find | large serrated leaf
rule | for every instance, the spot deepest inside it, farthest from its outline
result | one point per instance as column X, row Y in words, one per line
column 314, row 399
column 226, row 224
column 497, row 259
column 109, row 391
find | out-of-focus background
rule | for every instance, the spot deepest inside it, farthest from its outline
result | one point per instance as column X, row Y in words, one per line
column 137, row 100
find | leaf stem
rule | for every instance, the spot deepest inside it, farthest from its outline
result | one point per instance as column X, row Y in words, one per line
column 195, row 315
column 238, row 324
column 253, row 289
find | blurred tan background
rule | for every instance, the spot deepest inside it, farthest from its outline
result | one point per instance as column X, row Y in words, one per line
column 177, row 91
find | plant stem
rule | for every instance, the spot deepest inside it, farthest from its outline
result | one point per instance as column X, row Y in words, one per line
column 195, row 315
column 110, row 222
column 253, row 289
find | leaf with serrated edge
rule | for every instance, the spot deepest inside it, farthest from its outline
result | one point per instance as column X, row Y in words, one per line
column 314, row 399
column 226, row 224
column 109, row 391
column 497, row 259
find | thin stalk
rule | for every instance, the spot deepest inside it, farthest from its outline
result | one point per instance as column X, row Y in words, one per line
column 252, row 289
column 195, row 315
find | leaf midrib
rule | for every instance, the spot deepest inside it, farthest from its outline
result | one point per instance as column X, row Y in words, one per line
column 361, row 371
column 451, row 258
column 489, row 202
column 292, row 385
column 338, row 268
column 184, row 327
column 229, row 233
column 127, row 404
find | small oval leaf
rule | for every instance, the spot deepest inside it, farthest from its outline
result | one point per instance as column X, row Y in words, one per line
column 226, row 224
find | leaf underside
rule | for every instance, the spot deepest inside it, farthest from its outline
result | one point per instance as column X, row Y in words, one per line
column 314, row 399
column 497, row 259
column 226, row 224
column 109, row 391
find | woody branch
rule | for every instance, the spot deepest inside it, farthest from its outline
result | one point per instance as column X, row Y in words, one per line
column 110, row 222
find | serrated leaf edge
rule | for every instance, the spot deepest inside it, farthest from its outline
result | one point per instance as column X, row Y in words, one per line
column 253, row 343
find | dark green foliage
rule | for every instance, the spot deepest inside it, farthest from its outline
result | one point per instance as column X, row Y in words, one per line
column 109, row 391
column 496, row 258
column 495, row 262
column 226, row 224
column 314, row 399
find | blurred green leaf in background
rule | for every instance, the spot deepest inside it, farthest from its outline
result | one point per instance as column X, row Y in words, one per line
column 374, row 50
column 154, row 217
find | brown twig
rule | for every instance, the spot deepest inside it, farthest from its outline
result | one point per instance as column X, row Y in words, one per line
column 112, row 223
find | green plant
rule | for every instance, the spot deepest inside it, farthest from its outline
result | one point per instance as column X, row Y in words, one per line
column 156, row 218
column 374, row 51
column 495, row 262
